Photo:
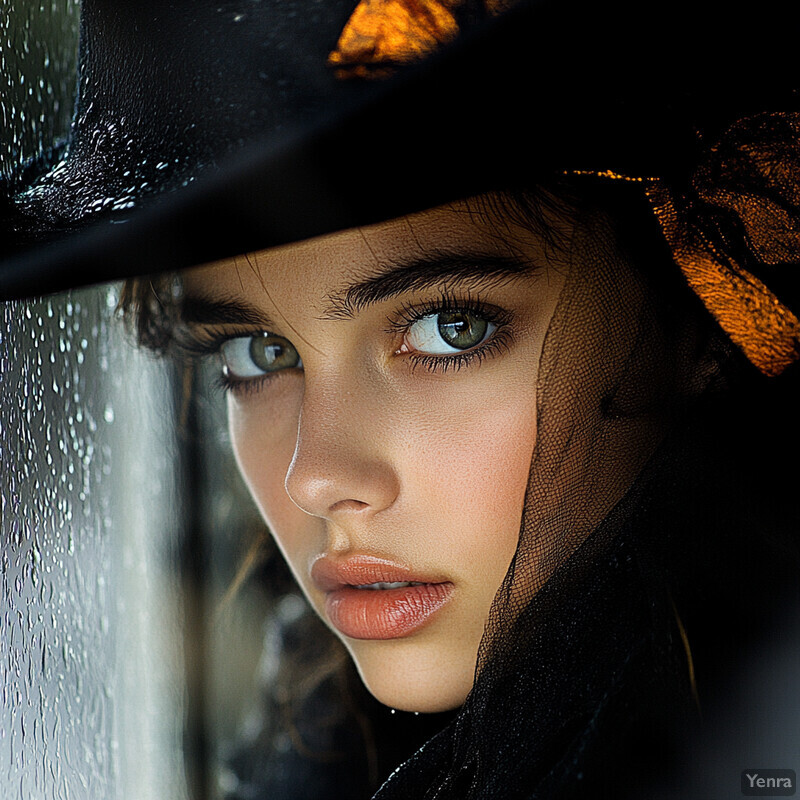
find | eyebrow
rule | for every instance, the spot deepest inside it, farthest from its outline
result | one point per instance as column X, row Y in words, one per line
column 202, row 310
column 392, row 280
column 424, row 273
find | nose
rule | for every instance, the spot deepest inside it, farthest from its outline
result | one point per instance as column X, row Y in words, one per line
column 341, row 464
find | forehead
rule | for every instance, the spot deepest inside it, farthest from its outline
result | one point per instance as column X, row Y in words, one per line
column 323, row 266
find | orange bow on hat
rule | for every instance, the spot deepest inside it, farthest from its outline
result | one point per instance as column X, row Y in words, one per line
column 742, row 210
column 383, row 34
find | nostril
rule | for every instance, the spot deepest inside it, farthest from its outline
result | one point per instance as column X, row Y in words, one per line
column 348, row 505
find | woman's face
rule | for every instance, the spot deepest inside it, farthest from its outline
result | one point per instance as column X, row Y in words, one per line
column 382, row 405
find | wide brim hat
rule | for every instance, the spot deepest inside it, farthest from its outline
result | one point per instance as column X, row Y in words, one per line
column 203, row 130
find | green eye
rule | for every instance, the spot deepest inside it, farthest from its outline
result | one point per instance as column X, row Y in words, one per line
column 251, row 356
column 448, row 332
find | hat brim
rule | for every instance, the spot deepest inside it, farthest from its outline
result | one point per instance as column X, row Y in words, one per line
column 548, row 87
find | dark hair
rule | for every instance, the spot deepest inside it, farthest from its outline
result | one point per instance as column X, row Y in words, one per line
column 150, row 308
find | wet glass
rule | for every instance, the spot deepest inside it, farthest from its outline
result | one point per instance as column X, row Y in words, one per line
column 92, row 694
column 38, row 61
column 91, row 645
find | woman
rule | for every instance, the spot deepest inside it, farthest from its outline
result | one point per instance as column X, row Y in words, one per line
column 393, row 393
column 492, row 437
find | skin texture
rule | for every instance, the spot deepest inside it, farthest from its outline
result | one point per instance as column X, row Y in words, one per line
column 372, row 449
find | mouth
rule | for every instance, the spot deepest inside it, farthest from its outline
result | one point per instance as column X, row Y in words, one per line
column 383, row 585
column 373, row 598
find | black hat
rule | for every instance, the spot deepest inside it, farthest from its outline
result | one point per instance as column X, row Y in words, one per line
column 207, row 129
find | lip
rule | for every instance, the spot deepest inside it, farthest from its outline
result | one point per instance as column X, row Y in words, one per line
column 377, row 613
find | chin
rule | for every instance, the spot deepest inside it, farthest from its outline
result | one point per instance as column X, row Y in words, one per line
column 407, row 678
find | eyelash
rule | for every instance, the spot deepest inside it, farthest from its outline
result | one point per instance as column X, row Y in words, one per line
column 243, row 387
column 208, row 344
column 203, row 345
column 498, row 342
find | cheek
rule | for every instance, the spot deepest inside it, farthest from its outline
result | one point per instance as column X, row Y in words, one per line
column 474, row 470
column 263, row 434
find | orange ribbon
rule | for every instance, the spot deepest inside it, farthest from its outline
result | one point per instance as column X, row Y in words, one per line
column 744, row 200
column 384, row 34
